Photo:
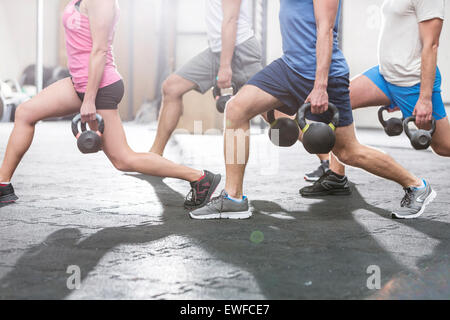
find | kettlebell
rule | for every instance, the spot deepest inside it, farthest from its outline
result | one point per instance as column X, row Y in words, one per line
column 420, row 139
column 318, row 138
column 288, row 130
column 393, row 126
column 222, row 96
column 88, row 141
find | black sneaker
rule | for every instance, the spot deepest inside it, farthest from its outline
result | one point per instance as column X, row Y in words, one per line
column 7, row 194
column 328, row 184
column 320, row 171
column 202, row 190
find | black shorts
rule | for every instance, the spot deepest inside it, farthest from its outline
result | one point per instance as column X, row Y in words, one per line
column 109, row 97
column 283, row 83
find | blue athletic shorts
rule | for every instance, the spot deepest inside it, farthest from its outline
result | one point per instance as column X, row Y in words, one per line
column 280, row 81
column 406, row 97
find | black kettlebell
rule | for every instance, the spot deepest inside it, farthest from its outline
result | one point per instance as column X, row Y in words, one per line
column 88, row 141
column 420, row 139
column 318, row 138
column 288, row 130
column 222, row 96
column 393, row 126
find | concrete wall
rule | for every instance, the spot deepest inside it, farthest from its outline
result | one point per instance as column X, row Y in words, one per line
column 17, row 35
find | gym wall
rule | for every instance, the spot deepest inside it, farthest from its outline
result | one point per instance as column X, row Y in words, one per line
column 360, row 29
column 18, row 35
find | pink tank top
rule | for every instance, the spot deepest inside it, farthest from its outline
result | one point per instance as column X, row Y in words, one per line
column 79, row 47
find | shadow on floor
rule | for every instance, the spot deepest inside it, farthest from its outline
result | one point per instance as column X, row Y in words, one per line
column 320, row 251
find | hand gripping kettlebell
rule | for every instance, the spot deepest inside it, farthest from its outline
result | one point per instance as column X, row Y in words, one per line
column 392, row 127
column 88, row 141
column 420, row 139
column 318, row 138
column 222, row 96
column 287, row 129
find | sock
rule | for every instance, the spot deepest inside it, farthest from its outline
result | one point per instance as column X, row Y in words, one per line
column 424, row 184
column 5, row 183
column 337, row 175
column 234, row 199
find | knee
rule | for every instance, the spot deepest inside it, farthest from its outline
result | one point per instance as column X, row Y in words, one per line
column 443, row 151
column 23, row 115
column 350, row 156
column 170, row 88
column 235, row 114
column 122, row 163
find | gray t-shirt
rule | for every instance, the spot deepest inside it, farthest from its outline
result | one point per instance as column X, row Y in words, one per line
column 400, row 47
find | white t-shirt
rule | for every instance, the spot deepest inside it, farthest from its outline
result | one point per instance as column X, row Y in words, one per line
column 214, row 17
column 400, row 47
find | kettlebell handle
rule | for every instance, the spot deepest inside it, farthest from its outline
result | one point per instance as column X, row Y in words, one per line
column 413, row 119
column 380, row 115
column 77, row 119
column 217, row 90
column 301, row 115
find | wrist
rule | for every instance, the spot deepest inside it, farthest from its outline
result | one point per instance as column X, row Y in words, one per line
column 425, row 97
column 320, row 85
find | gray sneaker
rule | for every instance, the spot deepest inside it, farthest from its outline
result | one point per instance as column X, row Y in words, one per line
column 319, row 172
column 414, row 202
column 222, row 207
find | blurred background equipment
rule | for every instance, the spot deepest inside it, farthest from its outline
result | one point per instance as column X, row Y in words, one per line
column 11, row 96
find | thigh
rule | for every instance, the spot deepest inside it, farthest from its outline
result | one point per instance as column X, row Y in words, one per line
column 254, row 101
column 365, row 93
column 345, row 139
column 115, row 143
column 57, row 100
column 179, row 85
column 200, row 70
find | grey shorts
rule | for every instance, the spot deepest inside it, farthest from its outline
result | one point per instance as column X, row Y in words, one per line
column 203, row 68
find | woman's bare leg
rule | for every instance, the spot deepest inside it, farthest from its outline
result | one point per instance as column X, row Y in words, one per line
column 116, row 148
column 59, row 99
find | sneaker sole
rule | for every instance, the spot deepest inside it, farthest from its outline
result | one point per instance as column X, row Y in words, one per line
column 230, row 215
column 327, row 193
column 8, row 198
column 212, row 189
column 427, row 201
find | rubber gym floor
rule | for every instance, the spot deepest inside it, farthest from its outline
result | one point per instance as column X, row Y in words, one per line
column 131, row 239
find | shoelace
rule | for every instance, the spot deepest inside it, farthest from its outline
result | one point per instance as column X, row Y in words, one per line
column 323, row 177
column 217, row 199
column 192, row 196
column 407, row 199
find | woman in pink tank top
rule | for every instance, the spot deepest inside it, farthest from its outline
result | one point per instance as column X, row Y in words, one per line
column 95, row 87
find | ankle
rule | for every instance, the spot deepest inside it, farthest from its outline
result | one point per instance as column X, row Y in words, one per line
column 337, row 175
column 418, row 184
column 196, row 176
column 234, row 194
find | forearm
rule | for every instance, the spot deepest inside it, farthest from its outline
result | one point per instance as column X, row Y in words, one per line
column 428, row 72
column 324, row 51
column 229, row 34
column 97, row 62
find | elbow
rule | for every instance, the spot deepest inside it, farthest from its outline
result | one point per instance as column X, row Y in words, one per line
column 100, row 51
column 230, row 21
column 325, row 30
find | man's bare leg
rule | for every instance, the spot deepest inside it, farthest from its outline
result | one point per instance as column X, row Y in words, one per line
column 249, row 102
column 171, row 110
column 363, row 93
